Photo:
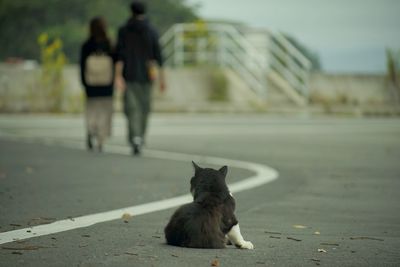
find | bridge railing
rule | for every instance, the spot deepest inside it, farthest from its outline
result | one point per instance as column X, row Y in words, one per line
column 290, row 64
column 224, row 45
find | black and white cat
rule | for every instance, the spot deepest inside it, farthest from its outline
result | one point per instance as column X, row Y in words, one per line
column 209, row 221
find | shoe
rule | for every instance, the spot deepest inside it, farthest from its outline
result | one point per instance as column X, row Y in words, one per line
column 137, row 145
column 89, row 142
column 136, row 150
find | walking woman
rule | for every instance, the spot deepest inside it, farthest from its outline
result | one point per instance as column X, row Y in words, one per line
column 97, row 75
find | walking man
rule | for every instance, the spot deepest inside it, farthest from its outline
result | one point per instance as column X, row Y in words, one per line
column 138, row 52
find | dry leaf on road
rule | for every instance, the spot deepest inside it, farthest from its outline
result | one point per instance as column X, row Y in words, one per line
column 366, row 237
column 126, row 217
column 294, row 239
column 299, row 226
column 215, row 263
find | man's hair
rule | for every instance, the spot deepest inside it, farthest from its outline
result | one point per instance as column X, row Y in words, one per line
column 138, row 8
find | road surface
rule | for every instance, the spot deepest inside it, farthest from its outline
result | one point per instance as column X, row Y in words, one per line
column 335, row 202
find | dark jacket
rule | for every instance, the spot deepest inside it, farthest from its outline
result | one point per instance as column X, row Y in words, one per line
column 137, row 45
column 89, row 47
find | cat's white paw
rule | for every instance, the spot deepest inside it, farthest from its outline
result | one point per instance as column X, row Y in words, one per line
column 247, row 245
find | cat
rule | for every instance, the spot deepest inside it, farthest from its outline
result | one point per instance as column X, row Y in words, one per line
column 209, row 221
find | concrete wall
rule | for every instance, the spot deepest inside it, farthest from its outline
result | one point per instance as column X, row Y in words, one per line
column 349, row 89
column 188, row 90
column 21, row 89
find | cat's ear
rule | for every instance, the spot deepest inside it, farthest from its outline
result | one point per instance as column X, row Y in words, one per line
column 196, row 167
column 223, row 170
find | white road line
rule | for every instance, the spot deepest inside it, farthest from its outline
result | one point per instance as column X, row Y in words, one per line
column 263, row 175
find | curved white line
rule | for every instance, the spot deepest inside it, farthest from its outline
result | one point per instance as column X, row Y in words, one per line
column 263, row 175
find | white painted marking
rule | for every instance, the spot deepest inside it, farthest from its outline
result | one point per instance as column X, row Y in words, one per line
column 263, row 175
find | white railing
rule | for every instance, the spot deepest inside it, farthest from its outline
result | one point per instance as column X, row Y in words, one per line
column 224, row 45
column 290, row 64
column 215, row 44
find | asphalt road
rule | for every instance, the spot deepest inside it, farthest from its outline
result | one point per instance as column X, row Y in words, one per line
column 337, row 190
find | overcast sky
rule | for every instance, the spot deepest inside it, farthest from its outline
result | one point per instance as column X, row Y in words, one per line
column 348, row 35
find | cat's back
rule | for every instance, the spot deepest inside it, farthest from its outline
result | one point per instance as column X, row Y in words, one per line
column 176, row 232
column 193, row 226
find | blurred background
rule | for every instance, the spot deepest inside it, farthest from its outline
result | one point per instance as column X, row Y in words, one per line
column 273, row 56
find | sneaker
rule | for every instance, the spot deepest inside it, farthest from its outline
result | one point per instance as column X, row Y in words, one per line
column 137, row 145
column 89, row 142
column 136, row 150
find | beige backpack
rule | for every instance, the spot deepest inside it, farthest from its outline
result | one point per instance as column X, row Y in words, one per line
column 99, row 70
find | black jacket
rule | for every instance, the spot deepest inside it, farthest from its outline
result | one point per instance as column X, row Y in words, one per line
column 89, row 47
column 137, row 45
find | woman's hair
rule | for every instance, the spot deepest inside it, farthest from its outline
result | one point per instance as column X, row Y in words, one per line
column 98, row 30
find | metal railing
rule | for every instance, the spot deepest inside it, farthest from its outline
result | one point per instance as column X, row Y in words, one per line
column 290, row 64
column 224, row 45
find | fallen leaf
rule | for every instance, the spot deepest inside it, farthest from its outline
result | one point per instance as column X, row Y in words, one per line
column 215, row 262
column 126, row 217
column 173, row 255
column 272, row 233
column 276, row 237
column 366, row 237
column 299, row 226
column 131, row 253
column 24, row 248
column 321, row 250
column 329, row 244
column 294, row 239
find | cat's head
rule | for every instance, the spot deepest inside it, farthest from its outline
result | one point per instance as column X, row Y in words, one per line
column 207, row 180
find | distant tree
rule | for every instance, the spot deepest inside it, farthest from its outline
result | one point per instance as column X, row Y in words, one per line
column 164, row 14
column 22, row 21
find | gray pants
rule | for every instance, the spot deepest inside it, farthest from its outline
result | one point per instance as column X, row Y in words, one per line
column 137, row 104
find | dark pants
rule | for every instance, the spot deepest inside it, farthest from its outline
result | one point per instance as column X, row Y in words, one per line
column 137, row 100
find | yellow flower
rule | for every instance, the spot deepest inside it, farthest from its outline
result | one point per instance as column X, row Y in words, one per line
column 57, row 44
column 201, row 26
column 43, row 38
column 48, row 51
column 61, row 60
